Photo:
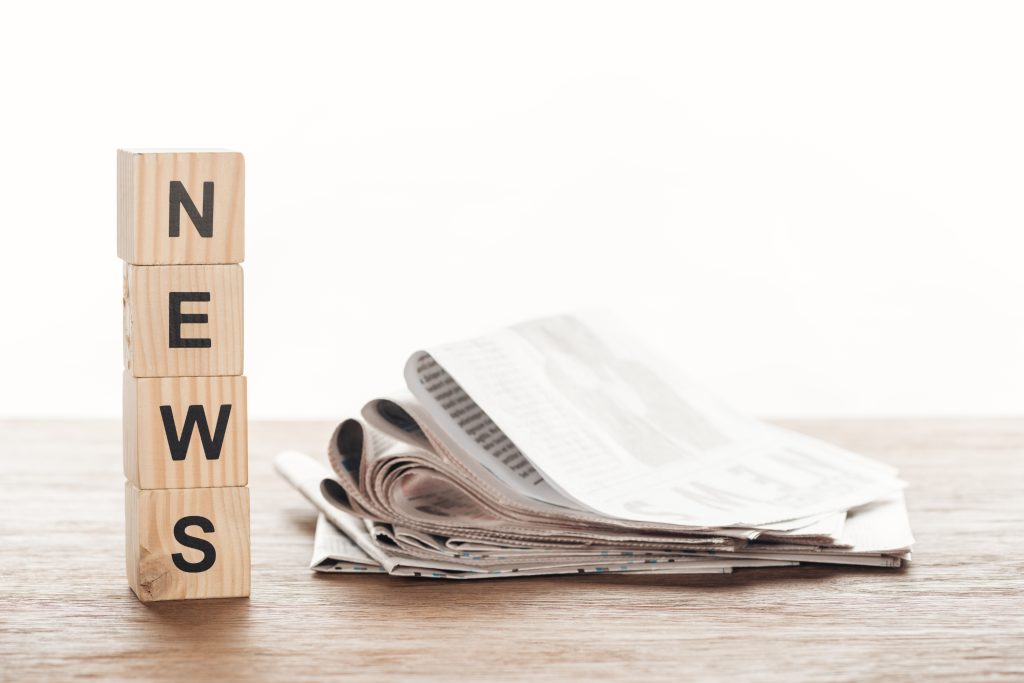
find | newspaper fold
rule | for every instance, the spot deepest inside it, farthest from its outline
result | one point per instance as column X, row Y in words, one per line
column 558, row 446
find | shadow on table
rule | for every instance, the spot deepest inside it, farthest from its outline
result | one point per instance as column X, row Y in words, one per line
column 186, row 634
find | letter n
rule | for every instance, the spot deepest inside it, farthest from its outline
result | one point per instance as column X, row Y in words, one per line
column 179, row 198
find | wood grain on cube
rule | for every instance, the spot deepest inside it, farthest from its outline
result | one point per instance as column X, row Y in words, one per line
column 157, row 296
column 153, row 187
column 187, row 543
column 185, row 432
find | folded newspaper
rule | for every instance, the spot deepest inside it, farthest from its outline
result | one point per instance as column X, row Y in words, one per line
column 558, row 446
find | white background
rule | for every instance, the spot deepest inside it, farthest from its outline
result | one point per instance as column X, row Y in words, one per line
column 817, row 208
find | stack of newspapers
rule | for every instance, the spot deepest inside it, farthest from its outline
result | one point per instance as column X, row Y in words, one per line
column 558, row 446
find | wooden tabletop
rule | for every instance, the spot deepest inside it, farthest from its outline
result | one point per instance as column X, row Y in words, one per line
column 957, row 613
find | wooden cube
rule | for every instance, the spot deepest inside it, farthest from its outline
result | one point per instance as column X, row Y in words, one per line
column 185, row 432
column 187, row 543
column 180, row 207
column 183, row 321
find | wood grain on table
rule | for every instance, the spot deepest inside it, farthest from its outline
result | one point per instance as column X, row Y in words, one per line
column 956, row 613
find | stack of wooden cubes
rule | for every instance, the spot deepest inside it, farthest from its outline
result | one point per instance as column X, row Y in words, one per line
column 181, row 230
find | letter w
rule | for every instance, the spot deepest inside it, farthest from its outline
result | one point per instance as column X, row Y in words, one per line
column 195, row 416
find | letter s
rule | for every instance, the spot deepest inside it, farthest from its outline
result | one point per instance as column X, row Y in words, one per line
column 209, row 552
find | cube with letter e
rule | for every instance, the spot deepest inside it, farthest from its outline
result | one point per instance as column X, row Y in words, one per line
column 183, row 321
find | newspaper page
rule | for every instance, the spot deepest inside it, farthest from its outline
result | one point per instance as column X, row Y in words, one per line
column 564, row 409
column 334, row 552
